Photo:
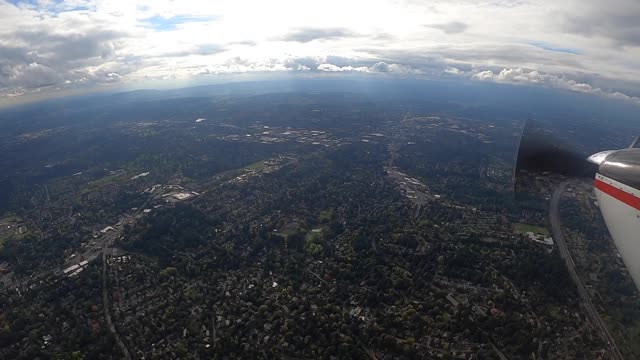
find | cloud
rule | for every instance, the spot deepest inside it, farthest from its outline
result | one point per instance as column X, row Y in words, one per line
column 85, row 44
column 383, row 67
column 345, row 64
column 452, row 71
column 48, row 58
column 615, row 20
column 32, row 75
column 302, row 63
column 452, row 27
column 44, row 49
column 244, row 42
column 378, row 67
column 334, row 68
column 533, row 77
column 305, row 35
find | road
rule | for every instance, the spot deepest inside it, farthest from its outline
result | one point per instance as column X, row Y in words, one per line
column 558, row 237
column 107, row 311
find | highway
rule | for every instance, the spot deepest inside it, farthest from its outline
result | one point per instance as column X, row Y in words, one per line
column 558, row 237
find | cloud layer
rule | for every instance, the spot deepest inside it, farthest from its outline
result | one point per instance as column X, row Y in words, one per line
column 53, row 47
column 521, row 76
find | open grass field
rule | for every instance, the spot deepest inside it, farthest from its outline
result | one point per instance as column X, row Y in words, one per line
column 525, row 228
column 9, row 226
column 258, row 165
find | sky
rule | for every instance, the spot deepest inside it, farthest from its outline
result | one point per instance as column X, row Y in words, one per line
column 52, row 48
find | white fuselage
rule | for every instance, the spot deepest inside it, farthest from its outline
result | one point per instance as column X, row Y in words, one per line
column 620, row 207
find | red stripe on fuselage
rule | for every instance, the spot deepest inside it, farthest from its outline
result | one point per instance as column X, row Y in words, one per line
column 618, row 194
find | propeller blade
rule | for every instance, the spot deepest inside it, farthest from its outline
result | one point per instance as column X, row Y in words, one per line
column 540, row 157
column 541, row 153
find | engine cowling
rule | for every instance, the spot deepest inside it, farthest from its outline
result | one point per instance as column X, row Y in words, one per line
column 617, row 188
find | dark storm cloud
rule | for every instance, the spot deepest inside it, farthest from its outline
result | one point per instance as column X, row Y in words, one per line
column 453, row 27
column 310, row 34
column 617, row 20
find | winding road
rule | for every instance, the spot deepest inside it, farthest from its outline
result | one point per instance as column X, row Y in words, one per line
column 558, row 237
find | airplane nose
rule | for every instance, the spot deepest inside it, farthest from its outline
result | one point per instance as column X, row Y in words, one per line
column 600, row 157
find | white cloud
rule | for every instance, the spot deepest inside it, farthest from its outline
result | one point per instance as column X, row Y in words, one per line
column 383, row 67
column 533, row 77
column 333, row 68
column 452, row 71
column 353, row 65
